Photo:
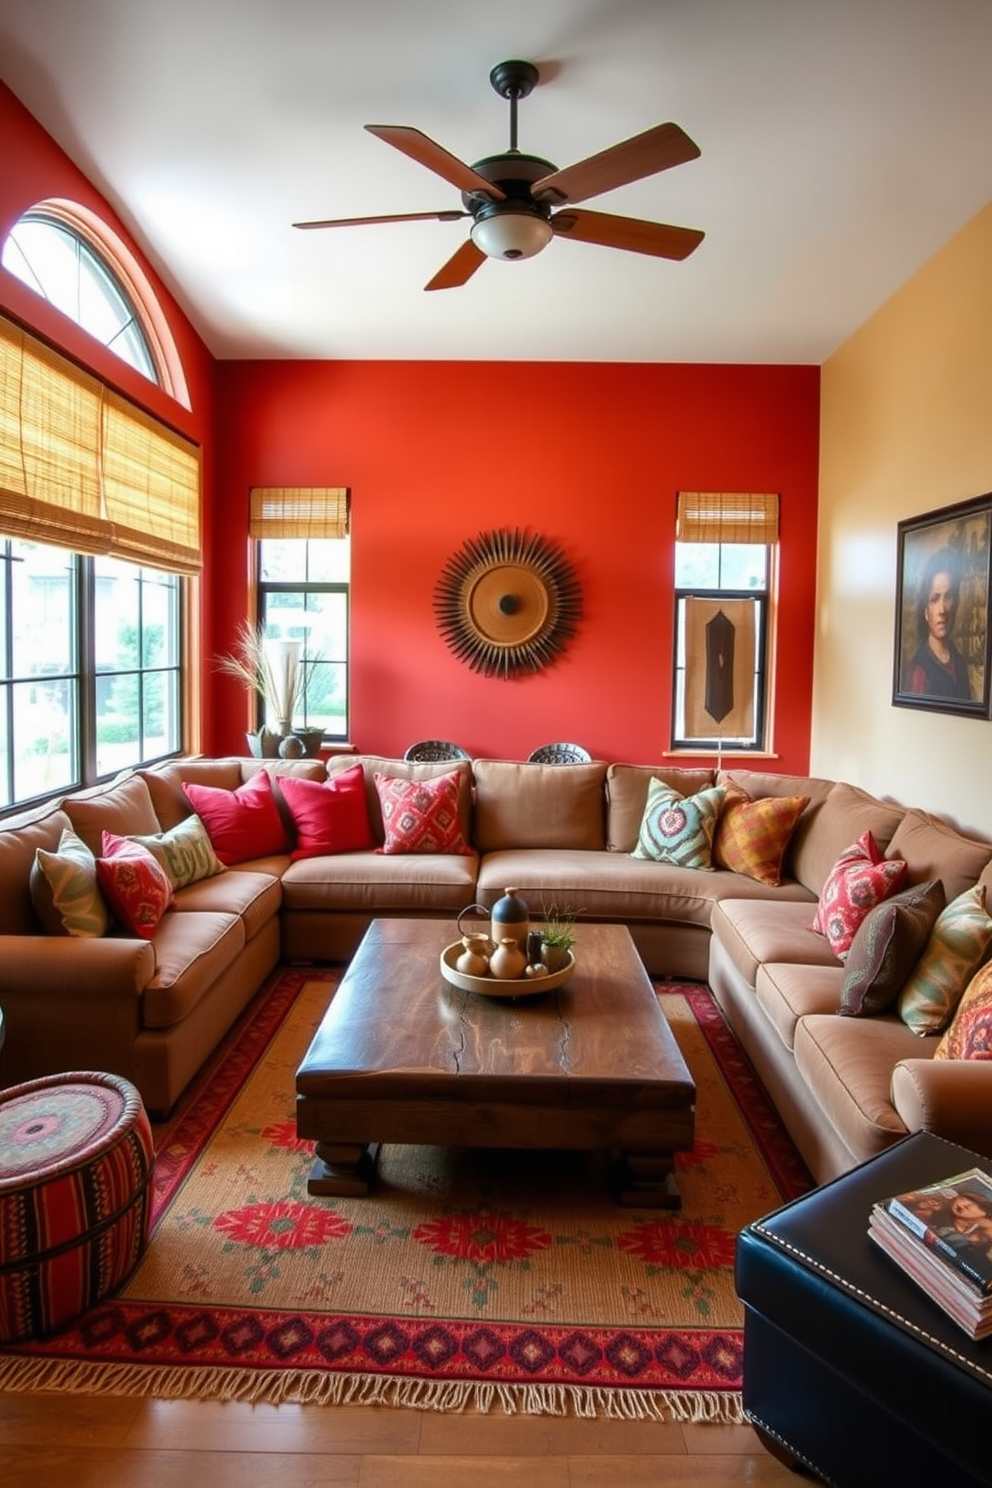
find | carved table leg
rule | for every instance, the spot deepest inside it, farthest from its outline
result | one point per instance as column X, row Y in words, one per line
column 344, row 1169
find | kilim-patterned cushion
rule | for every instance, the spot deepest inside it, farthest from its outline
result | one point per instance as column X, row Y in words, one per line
column 184, row 851
column 64, row 890
column 420, row 816
column 243, row 823
column 886, row 946
column 752, row 835
column 679, row 829
column 954, row 952
column 330, row 816
column 76, row 1160
column 969, row 1035
column 860, row 879
column 134, row 884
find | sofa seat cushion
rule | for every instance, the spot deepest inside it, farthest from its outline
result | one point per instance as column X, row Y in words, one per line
column 847, row 1064
column 381, row 883
column 539, row 806
column 787, row 992
column 256, row 897
column 755, row 931
column 613, row 886
column 191, row 952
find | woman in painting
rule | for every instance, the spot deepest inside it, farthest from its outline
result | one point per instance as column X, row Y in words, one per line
column 937, row 668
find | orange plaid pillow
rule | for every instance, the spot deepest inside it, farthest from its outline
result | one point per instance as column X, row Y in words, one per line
column 751, row 836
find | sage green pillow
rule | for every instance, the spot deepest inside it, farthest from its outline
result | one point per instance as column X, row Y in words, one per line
column 64, row 890
column 679, row 829
column 184, row 851
column 955, row 950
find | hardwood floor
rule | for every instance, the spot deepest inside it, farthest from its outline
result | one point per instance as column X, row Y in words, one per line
column 80, row 1441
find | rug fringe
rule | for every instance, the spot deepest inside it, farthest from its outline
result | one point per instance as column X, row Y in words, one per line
column 313, row 1387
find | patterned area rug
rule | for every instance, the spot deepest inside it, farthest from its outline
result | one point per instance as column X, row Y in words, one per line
column 487, row 1280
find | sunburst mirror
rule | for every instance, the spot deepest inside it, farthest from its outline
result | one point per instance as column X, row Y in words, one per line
column 507, row 603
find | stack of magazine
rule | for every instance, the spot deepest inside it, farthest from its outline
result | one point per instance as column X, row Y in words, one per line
column 941, row 1236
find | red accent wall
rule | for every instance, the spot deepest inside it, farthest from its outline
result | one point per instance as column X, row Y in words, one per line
column 589, row 456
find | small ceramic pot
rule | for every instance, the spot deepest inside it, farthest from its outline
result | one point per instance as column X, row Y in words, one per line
column 474, row 959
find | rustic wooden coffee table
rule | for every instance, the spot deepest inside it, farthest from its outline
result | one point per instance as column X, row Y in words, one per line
column 403, row 1056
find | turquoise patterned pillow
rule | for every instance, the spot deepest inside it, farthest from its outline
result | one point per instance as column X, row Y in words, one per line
column 64, row 890
column 184, row 851
column 955, row 950
column 679, row 829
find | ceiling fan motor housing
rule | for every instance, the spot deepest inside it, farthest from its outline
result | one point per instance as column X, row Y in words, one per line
column 518, row 226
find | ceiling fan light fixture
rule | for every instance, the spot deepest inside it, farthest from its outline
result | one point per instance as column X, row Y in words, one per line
column 511, row 235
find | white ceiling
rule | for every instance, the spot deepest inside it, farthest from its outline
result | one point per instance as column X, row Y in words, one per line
column 843, row 141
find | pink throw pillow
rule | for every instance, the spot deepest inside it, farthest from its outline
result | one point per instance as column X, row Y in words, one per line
column 243, row 823
column 330, row 816
column 421, row 816
column 860, row 879
column 134, row 884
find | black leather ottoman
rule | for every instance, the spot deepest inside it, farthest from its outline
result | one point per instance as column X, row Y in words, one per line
column 850, row 1370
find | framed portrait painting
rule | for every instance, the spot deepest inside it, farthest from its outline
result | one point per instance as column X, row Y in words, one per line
column 942, row 610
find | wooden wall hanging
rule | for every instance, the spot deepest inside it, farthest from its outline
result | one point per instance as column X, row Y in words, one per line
column 507, row 603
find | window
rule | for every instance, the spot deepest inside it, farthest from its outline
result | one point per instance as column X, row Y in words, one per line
column 722, row 608
column 53, row 258
column 89, row 668
column 303, row 596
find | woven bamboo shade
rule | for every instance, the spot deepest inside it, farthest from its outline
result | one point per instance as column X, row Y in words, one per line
column 300, row 511
column 82, row 468
column 727, row 517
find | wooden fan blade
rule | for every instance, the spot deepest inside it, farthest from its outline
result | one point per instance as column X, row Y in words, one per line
column 654, row 238
column 459, row 268
column 436, row 158
column 646, row 154
column 451, row 216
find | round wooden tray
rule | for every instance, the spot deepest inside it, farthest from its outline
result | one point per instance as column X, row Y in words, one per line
column 490, row 986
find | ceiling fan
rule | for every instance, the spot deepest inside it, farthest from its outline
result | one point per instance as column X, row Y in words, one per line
column 512, row 197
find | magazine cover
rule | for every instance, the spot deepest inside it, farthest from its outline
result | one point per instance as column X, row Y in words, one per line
column 945, row 1286
column 954, row 1219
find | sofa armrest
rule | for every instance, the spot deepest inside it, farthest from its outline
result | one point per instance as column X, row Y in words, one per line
column 950, row 1097
column 94, row 968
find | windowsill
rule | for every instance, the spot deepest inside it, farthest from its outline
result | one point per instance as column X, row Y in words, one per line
column 738, row 754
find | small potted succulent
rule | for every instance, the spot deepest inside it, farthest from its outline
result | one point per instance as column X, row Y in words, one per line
column 558, row 932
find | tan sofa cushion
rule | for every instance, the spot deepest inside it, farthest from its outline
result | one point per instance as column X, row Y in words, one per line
column 787, row 992
column 255, row 896
column 822, row 835
column 165, row 782
column 523, row 805
column 374, row 764
column 378, row 883
column 932, row 849
column 755, row 932
column 122, row 806
column 627, row 794
column 20, row 837
column 847, row 1064
column 191, row 952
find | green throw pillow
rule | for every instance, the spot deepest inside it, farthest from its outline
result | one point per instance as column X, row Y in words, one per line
column 64, row 890
column 679, row 829
column 953, row 953
column 184, row 851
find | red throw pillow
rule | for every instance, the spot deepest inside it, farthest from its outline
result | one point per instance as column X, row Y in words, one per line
column 134, row 884
column 330, row 816
column 421, row 816
column 243, row 823
column 860, row 879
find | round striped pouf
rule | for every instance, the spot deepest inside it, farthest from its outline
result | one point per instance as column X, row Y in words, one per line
column 76, row 1160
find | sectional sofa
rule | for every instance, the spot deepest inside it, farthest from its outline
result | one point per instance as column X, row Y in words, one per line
column 153, row 1008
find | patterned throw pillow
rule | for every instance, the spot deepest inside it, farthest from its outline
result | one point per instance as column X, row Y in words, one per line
column 886, row 946
column 64, row 890
column 956, row 948
column 860, row 879
column 243, row 823
column 420, row 816
column 970, row 1033
column 330, row 816
column 752, row 835
column 136, row 887
column 184, row 851
column 679, row 829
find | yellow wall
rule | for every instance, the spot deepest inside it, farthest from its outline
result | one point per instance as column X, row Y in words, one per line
column 906, row 427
